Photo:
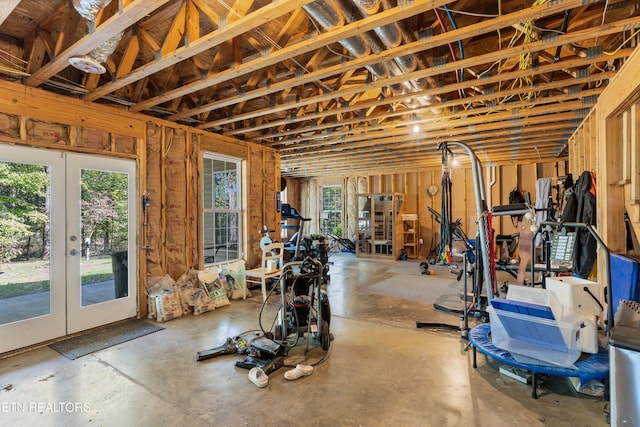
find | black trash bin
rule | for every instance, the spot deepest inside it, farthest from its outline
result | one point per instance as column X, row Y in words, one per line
column 120, row 273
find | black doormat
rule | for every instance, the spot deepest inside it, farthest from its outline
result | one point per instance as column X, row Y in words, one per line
column 104, row 337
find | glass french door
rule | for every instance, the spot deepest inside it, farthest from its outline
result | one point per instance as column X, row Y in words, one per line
column 67, row 244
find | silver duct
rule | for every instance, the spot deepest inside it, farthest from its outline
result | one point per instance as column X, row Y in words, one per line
column 330, row 14
column 392, row 36
column 89, row 9
column 92, row 61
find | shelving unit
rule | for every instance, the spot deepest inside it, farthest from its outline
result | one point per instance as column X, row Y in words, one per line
column 410, row 235
column 377, row 234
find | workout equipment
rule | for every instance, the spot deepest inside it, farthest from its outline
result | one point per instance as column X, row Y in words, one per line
column 484, row 269
column 455, row 231
column 595, row 367
column 304, row 246
column 266, row 237
column 288, row 212
column 424, row 268
column 347, row 244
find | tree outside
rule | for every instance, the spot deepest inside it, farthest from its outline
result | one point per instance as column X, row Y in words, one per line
column 24, row 225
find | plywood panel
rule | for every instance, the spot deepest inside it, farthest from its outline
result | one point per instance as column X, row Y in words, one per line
column 45, row 106
column 222, row 146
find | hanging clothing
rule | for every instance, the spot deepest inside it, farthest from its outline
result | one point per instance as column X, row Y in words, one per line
column 581, row 207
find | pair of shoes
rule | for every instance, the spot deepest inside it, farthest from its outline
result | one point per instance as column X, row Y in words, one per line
column 258, row 377
column 298, row 372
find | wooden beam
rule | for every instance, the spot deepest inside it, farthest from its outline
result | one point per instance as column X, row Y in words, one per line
column 129, row 56
column 634, row 124
column 242, row 25
column 192, row 22
column 416, row 75
column 276, row 56
column 445, row 116
column 176, row 31
column 71, row 20
column 447, row 104
column 208, row 12
column 6, row 7
column 382, row 18
column 114, row 25
column 148, row 40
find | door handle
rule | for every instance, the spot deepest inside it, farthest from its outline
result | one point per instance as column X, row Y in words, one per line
column 73, row 252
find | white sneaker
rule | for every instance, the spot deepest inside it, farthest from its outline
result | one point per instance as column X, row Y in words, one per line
column 298, row 372
column 258, row 377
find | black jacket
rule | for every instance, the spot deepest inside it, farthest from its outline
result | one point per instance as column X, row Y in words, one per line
column 581, row 207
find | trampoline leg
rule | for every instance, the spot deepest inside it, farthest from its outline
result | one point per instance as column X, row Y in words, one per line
column 534, row 385
column 475, row 365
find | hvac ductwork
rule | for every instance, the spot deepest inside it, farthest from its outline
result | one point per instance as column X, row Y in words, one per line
column 92, row 61
column 330, row 14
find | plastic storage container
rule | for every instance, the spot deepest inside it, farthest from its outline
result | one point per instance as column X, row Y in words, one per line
column 535, row 340
column 571, row 293
column 538, row 296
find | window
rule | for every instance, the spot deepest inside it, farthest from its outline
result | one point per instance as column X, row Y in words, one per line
column 331, row 210
column 222, row 208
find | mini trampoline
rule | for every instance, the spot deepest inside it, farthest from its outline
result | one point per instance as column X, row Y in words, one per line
column 595, row 367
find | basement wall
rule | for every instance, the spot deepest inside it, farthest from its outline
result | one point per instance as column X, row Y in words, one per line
column 169, row 165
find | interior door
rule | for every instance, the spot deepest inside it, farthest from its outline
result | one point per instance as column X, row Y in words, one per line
column 100, row 236
column 67, row 232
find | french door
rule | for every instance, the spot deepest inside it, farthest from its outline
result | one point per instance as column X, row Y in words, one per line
column 71, row 243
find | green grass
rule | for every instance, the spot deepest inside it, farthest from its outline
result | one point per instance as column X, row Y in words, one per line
column 30, row 277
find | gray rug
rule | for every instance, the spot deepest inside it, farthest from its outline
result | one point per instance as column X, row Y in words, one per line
column 442, row 290
column 407, row 267
column 104, row 337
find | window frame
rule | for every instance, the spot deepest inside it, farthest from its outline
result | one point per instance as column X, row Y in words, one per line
column 327, row 212
column 238, row 210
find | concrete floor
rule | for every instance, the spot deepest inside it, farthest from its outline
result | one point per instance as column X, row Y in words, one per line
column 380, row 371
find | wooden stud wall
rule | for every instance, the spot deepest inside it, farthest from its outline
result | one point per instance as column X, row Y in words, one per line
column 609, row 137
column 168, row 157
column 414, row 185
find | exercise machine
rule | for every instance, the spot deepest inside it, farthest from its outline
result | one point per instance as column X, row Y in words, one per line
column 303, row 246
column 484, row 269
column 294, row 244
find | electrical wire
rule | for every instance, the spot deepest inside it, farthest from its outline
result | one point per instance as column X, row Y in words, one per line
column 623, row 43
column 455, row 27
column 462, row 12
column 453, row 54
